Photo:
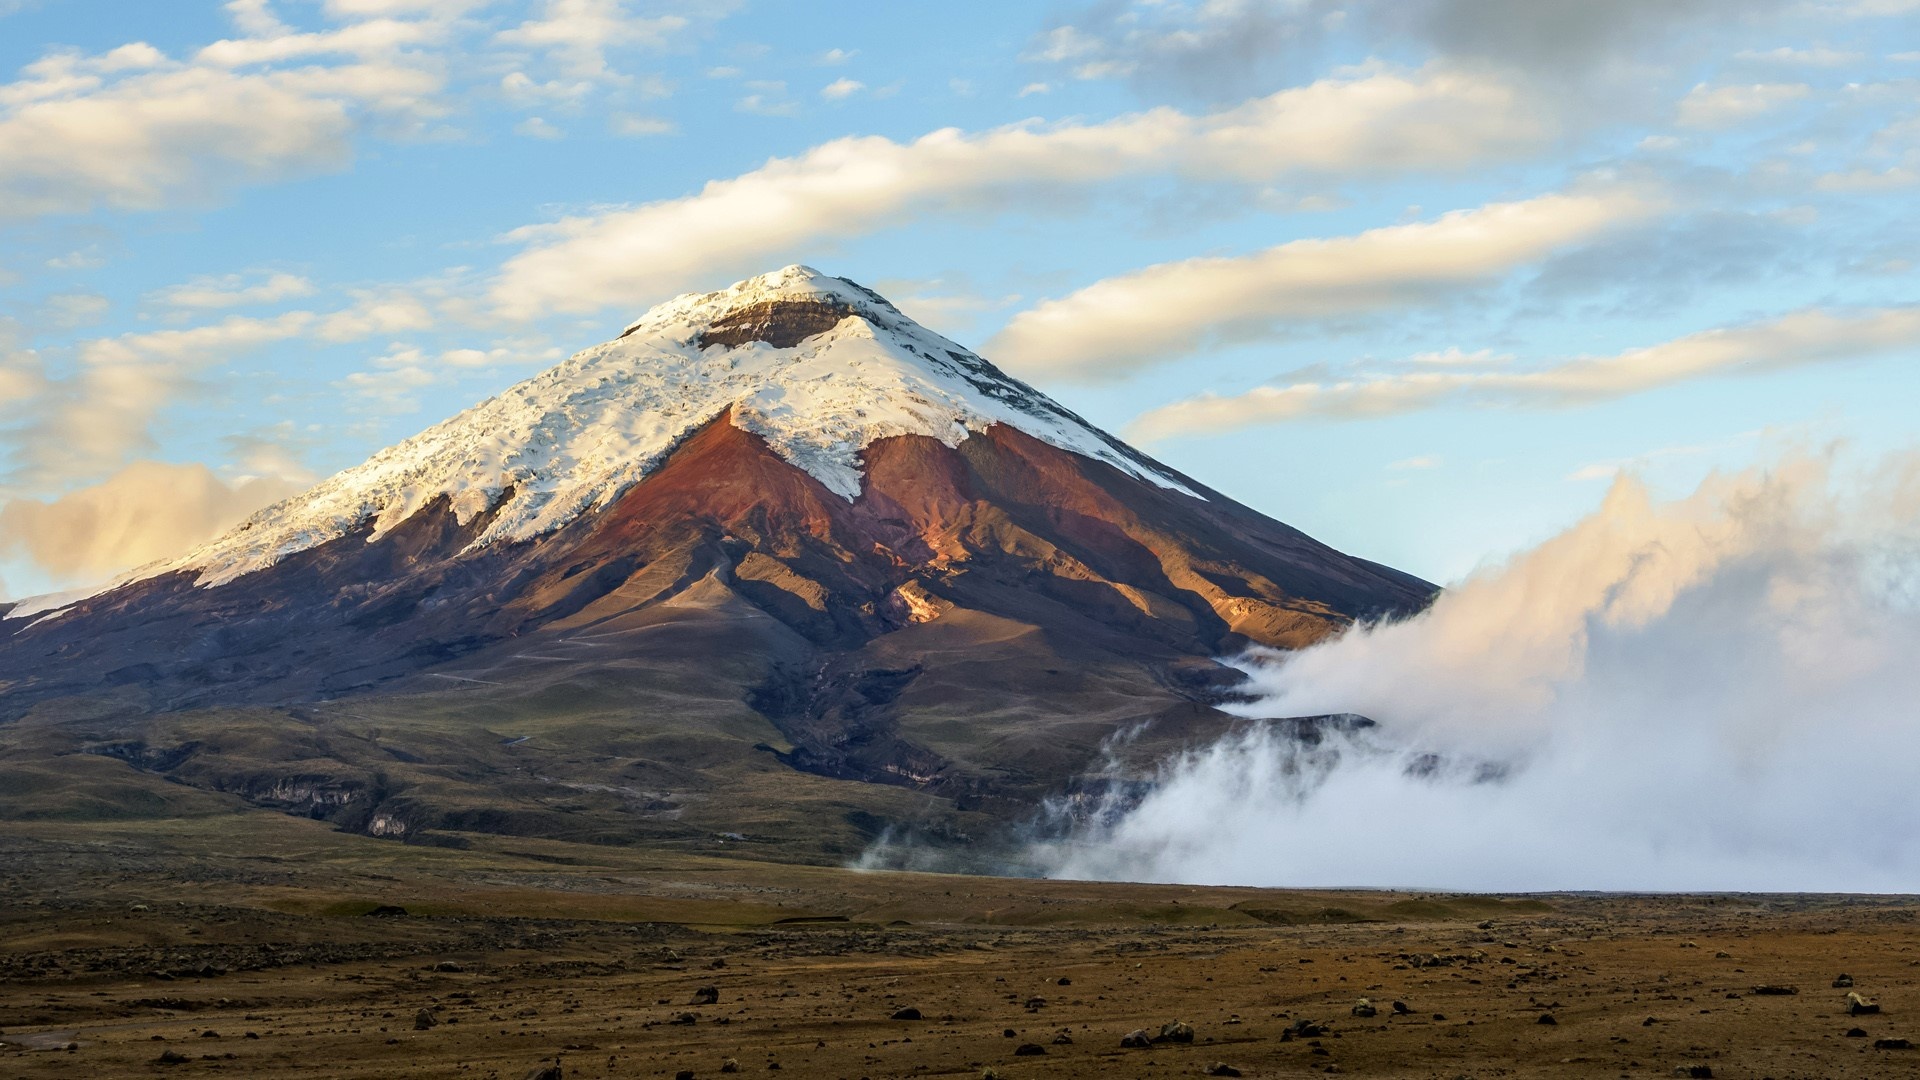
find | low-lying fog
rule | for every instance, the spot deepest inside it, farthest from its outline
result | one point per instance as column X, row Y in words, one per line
column 1720, row 692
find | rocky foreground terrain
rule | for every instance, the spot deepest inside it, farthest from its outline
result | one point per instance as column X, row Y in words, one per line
column 163, row 950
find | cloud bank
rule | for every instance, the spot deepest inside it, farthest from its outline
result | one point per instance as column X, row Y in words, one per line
column 1383, row 121
column 1812, row 336
column 147, row 511
column 1166, row 312
column 1710, row 693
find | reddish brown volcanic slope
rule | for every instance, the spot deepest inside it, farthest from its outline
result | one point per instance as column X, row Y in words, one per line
column 973, row 625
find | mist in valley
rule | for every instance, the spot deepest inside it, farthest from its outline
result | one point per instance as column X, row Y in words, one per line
column 1716, row 692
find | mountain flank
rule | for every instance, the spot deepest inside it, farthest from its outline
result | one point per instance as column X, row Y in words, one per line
column 776, row 566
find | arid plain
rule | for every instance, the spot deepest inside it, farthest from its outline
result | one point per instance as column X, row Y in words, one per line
column 160, row 949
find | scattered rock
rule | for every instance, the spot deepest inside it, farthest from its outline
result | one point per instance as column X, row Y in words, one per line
column 685, row 1018
column 1063, row 1039
column 1221, row 1068
column 1363, row 1007
column 1843, row 981
column 1029, row 1050
column 545, row 1072
column 1775, row 990
column 908, row 1013
column 1856, row 1033
column 1303, row 1029
column 1136, row 1039
column 729, row 1066
column 423, row 1020
column 1893, row 1044
column 1698, row 1072
column 1400, row 1009
column 706, row 995
column 1063, row 981
column 209, row 1034
column 683, row 1074
column 453, row 967
column 169, row 1057
column 1546, row 1018
column 1859, row 1006
column 1175, row 1031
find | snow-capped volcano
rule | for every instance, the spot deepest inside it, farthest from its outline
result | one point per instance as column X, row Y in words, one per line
column 778, row 527
column 817, row 366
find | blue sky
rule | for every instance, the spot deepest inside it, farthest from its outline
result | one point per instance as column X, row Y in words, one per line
column 1417, row 277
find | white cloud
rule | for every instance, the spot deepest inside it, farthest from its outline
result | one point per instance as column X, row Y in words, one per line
column 362, row 9
column 362, row 39
column 768, row 99
column 1423, row 461
column 235, row 290
column 1677, row 695
column 1867, row 181
column 95, row 419
column 1811, row 56
column 1033, row 88
column 69, row 310
column 841, row 89
column 1371, row 124
column 1724, row 106
column 836, row 57
column 576, row 34
column 147, row 511
column 643, row 126
column 522, row 89
column 1164, row 312
column 132, row 129
column 1809, row 336
column 536, row 128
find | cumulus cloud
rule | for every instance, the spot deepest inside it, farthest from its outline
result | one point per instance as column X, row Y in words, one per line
column 1709, row 693
column 1376, row 122
column 235, row 290
column 642, row 126
column 361, row 9
column 841, row 89
column 1164, row 312
column 147, row 511
column 134, row 129
column 1725, row 106
column 535, row 127
column 576, row 34
column 93, row 420
column 1809, row 336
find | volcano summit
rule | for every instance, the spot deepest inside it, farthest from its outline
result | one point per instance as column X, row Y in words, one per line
column 777, row 563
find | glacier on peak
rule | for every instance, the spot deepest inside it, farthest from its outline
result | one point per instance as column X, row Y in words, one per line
column 575, row 437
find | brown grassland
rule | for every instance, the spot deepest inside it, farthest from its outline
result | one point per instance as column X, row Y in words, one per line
column 262, row 945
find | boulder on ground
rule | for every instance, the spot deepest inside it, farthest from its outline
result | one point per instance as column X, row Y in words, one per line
column 1175, row 1031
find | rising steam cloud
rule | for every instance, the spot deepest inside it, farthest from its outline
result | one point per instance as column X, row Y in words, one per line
column 1719, row 692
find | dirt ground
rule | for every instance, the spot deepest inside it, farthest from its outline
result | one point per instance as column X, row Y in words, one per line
column 310, row 954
